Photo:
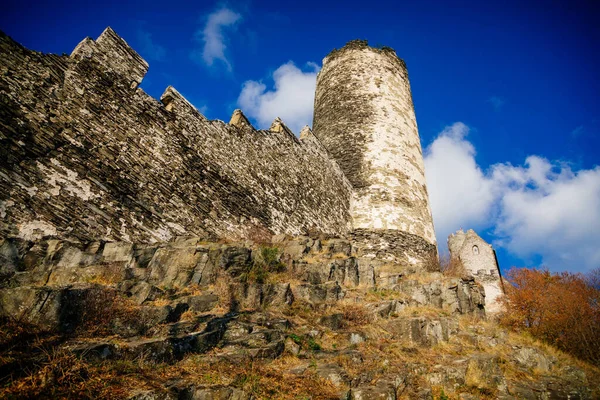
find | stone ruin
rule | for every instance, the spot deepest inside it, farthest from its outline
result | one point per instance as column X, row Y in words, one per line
column 110, row 197
column 87, row 155
column 479, row 259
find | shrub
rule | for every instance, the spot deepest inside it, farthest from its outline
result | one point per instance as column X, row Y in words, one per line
column 305, row 342
column 561, row 308
column 266, row 261
column 452, row 266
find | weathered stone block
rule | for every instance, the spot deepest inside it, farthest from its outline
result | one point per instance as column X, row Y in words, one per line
column 423, row 331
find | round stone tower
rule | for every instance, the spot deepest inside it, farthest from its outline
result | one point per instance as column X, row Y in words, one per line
column 364, row 116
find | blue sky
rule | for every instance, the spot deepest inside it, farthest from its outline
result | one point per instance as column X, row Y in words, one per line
column 506, row 94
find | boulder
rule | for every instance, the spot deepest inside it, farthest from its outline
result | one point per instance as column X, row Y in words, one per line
column 333, row 321
column 382, row 390
column 9, row 258
column 175, row 267
column 333, row 373
column 344, row 272
column 532, row 358
column 277, row 294
column 217, row 393
column 200, row 303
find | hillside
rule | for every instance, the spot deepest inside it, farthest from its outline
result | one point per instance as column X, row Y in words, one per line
column 295, row 318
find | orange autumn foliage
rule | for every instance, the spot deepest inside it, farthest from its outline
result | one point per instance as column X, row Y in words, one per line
column 560, row 308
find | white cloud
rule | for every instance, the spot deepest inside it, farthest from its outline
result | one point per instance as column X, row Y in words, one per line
column 213, row 38
column 551, row 210
column 459, row 193
column 541, row 208
column 291, row 97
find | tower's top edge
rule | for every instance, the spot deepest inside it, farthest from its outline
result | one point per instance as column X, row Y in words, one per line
column 359, row 44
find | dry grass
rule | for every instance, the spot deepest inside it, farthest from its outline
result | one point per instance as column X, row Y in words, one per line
column 106, row 274
column 379, row 294
column 339, row 256
column 192, row 290
column 100, row 308
column 187, row 316
column 33, row 365
column 422, row 311
column 62, row 375
column 260, row 379
column 54, row 373
column 356, row 315
column 224, row 289
column 301, row 313
column 452, row 267
column 158, row 302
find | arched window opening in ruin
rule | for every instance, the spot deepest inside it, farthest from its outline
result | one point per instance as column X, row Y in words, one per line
column 475, row 250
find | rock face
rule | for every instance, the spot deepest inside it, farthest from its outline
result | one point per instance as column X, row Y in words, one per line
column 349, row 326
column 365, row 118
column 87, row 155
column 323, row 269
column 479, row 259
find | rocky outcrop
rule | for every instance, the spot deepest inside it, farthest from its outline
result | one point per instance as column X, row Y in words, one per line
column 311, row 305
column 322, row 268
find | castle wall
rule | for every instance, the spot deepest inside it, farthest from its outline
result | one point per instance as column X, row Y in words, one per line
column 364, row 116
column 85, row 154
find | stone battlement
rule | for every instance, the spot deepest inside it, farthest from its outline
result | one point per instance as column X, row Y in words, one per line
column 113, row 52
column 104, row 160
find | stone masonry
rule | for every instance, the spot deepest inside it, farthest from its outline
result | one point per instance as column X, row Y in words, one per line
column 365, row 118
column 479, row 259
column 88, row 155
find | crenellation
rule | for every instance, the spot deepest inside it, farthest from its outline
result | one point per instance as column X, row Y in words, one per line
column 85, row 49
column 306, row 133
column 118, row 56
column 239, row 120
column 277, row 126
column 111, row 51
column 176, row 103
